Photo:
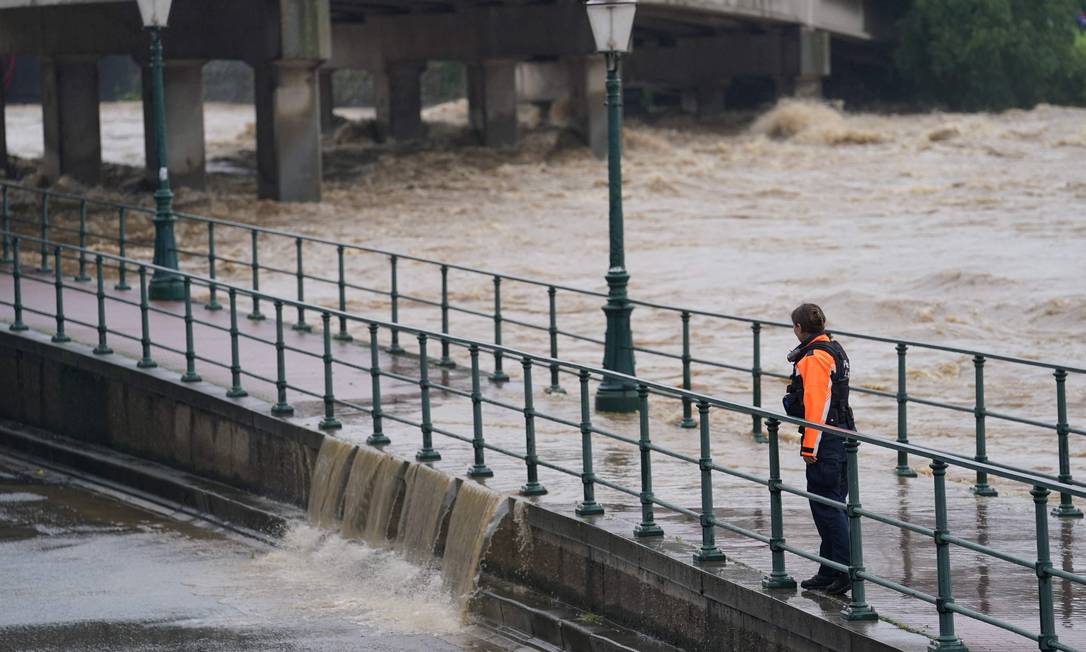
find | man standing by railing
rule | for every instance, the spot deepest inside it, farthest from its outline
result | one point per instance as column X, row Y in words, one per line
column 818, row 392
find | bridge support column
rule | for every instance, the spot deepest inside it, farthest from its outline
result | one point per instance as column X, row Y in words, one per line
column 588, row 76
column 69, row 99
column 328, row 122
column 398, row 95
column 184, row 96
column 288, row 133
column 809, row 58
column 492, row 102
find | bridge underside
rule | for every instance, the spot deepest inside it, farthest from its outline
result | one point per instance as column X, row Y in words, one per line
column 514, row 51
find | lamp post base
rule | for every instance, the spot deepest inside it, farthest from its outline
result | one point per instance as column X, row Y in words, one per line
column 619, row 399
column 166, row 288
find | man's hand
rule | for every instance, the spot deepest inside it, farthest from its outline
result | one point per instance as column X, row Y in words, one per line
column 810, row 459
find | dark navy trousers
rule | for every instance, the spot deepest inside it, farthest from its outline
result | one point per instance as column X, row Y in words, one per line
column 828, row 477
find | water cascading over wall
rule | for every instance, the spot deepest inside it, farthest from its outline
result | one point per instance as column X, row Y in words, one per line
column 423, row 513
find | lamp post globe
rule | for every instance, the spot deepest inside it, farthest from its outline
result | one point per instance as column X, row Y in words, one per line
column 612, row 29
column 165, row 284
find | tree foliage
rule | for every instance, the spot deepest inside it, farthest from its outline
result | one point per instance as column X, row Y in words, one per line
column 993, row 54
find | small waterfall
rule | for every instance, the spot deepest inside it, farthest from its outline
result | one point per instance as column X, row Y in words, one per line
column 329, row 476
column 471, row 515
column 425, row 503
column 356, row 496
column 374, row 492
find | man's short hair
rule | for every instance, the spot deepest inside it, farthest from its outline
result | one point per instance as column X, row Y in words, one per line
column 810, row 318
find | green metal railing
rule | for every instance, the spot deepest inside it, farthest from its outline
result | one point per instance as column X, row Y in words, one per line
column 708, row 551
column 44, row 224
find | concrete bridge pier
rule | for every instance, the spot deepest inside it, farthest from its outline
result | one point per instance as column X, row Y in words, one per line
column 70, row 120
column 398, row 99
column 288, row 129
column 806, row 63
column 183, row 83
column 492, row 101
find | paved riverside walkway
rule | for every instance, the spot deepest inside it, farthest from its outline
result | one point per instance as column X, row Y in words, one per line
column 1005, row 522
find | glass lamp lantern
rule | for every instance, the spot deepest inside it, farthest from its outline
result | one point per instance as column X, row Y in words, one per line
column 612, row 24
column 155, row 13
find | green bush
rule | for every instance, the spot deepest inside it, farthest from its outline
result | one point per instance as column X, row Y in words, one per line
column 993, row 54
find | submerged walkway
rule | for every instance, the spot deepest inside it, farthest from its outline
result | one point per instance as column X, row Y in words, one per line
column 980, row 582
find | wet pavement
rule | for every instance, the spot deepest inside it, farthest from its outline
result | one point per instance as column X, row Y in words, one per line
column 85, row 571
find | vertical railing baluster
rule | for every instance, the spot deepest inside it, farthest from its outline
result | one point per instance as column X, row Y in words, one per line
column 981, row 488
column 532, row 487
column 1045, row 605
column 589, row 506
column 17, row 279
column 756, row 380
column 857, row 609
column 778, row 578
column 44, row 267
column 552, row 331
column 341, row 283
column 708, row 552
column 498, row 376
column 478, row 469
column 281, row 407
column 947, row 639
column 5, row 215
column 213, row 289
column 902, row 469
column 299, row 274
column 688, row 413
column 190, row 375
column 100, row 296
column 329, row 422
column 394, row 294
column 377, row 437
column 427, row 452
column 254, row 266
column 146, row 362
column 58, row 283
column 445, row 360
column 236, row 390
column 647, row 527
column 1065, row 509
column 82, row 275
column 122, row 249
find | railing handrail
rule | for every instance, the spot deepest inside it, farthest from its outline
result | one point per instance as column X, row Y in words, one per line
column 544, row 284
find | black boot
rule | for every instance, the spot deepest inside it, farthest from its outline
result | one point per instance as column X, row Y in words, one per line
column 840, row 586
column 817, row 582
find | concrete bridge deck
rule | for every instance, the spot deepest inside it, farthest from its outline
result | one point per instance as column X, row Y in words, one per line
column 987, row 585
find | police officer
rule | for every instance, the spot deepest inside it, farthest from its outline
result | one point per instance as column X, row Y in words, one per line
column 818, row 392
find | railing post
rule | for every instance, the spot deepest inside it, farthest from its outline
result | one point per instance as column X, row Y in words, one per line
column 378, row 437
column 329, row 422
column 445, row 360
column 688, row 416
column 341, row 283
column 1048, row 638
column 947, row 639
column 981, row 488
column 213, row 289
column 299, row 274
column 1065, row 509
column 857, row 609
column 17, row 275
column 532, row 487
column 146, row 362
column 236, row 390
column 82, row 275
column 5, row 215
column 709, row 552
column 552, row 331
column 58, row 282
column 756, row 379
column 281, row 407
column 647, row 527
column 589, row 506
column 100, row 295
column 479, row 469
column 498, row 376
column 778, row 578
column 427, row 452
column 122, row 249
column 394, row 348
column 902, row 469
column 44, row 267
column 254, row 265
column 190, row 375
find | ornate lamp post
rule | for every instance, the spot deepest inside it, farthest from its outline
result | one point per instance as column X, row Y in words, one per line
column 612, row 27
column 164, row 284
